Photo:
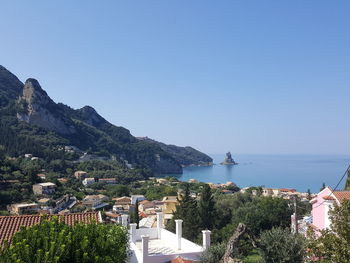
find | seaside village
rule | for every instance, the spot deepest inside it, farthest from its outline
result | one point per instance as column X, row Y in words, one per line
column 150, row 242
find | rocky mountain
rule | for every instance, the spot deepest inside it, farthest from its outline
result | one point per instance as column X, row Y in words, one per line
column 186, row 156
column 31, row 122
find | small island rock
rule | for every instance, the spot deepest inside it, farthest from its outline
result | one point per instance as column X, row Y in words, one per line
column 228, row 160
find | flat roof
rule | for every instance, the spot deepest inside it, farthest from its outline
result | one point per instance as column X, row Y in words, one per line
column 168, row 246
column 24, row 205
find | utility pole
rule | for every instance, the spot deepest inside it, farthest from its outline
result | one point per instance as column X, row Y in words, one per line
column 295, row 214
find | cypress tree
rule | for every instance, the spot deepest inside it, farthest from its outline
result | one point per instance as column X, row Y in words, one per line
column 187, row 210
column 135, row 215
column 206, row 208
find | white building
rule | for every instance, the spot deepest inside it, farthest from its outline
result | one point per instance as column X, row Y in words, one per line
column 88, row 181
column 95, row 201
column 158, row 245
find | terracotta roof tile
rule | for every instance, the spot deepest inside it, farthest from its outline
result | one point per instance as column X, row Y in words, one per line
column 342, row 195
column 9, row 225
column 182, row 260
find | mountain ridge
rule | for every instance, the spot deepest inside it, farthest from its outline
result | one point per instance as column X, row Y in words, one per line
column 33, row 118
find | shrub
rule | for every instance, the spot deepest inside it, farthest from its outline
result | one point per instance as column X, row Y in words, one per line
column 213, row 254
column 279, row 245
column 55, row 242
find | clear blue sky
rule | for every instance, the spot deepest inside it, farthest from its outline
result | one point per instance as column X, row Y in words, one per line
column 247, row 76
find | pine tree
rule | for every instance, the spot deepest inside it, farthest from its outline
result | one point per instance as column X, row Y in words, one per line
column 206, row 208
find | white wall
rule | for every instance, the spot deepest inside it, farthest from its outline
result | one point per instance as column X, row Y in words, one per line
column 152, row 232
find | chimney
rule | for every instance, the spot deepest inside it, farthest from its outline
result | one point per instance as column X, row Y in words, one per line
column 159, row 224
column 206, row 239
column 179, row 232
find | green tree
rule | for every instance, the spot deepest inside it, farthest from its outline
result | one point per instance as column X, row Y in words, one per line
column 323, row 186
column 279, row 245
column 332, row 246
column 309, row 194
column 135, row 217
column 187, row 210
column 55, row 242
column 206, row 208
column 2, row 153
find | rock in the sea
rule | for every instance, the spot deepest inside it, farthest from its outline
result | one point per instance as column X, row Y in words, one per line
column 228, row 160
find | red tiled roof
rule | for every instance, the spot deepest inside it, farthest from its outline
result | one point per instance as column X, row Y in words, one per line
column 342, row 195
column 9, row 225
column 287, row 190
column 182, row 260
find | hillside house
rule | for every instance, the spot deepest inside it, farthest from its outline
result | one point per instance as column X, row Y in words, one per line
column 44, row 189
column 80, row 175
column 22, row 209
column 150, row 207
column 41, row 176
column 122, row 205
column 323, row 203
column 88, row 181
column 95, row 201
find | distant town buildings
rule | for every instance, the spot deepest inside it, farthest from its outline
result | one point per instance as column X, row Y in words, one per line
column 44, row 188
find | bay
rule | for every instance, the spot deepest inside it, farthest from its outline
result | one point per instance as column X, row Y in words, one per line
column 300, row 172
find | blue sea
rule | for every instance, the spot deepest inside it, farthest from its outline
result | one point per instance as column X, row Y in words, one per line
column 301, row 172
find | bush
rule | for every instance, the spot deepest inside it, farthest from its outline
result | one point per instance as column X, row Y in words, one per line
column 213, row 254
column 55, row 242
column 279, row 245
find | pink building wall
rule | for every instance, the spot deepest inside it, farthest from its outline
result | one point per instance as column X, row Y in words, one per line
column 319, row 212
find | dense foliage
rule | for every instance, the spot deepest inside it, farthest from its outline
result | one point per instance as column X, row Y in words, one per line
column 222, row 213
column 214, row 254
column 55, row 242
column 279, row 245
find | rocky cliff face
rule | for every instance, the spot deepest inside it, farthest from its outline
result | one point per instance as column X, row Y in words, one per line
column 39, row 109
